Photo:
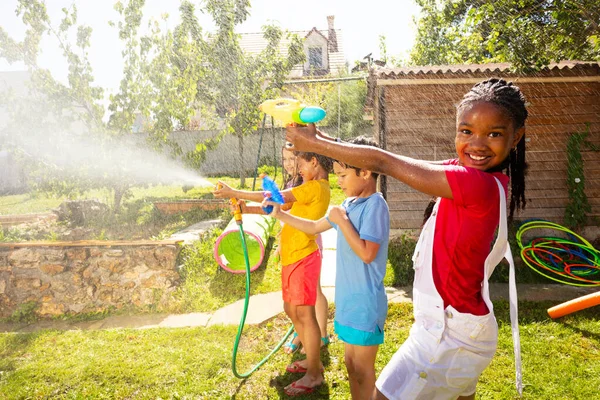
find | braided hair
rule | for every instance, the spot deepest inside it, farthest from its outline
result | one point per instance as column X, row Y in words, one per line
column 510, row 98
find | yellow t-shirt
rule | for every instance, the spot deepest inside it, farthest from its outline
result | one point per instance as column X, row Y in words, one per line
column 312, row 201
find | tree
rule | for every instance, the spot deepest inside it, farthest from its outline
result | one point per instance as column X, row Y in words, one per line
column 527, row 33
column 234, row 83
column 168, row 76
column 43, row 121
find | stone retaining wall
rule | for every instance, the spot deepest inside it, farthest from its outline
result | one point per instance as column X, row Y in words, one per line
column 90, row 276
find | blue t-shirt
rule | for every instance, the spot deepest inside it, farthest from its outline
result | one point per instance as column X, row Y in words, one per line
column 360, row 299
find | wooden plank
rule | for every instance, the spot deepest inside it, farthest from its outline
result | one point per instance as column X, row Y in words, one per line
column 410, row 113
column 557, row 194
column 560, row 119
column 401, row 139
column 440, row 125
column 566, row 89
column 406, row 196
column 399, row 205
column 405, row 223
column 557, row 109
column 560, row 129
column 565, row 101
column 557, row 202
column 545, row 155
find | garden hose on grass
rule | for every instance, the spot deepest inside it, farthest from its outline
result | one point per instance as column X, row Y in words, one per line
column 238, row 219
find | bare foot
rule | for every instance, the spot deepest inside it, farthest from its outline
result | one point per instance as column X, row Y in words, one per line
column 299, row 367
column 304, row 385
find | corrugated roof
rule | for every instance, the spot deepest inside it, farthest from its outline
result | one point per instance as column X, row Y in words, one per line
column 477, row 69
column 254, row 43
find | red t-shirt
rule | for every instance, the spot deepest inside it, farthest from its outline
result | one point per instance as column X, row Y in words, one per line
column 464, row 233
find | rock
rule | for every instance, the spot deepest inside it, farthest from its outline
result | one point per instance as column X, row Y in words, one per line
column 81, row 212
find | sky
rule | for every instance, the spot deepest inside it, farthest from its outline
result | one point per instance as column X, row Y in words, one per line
column 361, row 24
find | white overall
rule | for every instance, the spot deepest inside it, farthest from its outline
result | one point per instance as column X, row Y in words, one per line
column 447, row 351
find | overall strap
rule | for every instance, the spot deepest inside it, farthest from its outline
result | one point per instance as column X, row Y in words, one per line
column 502, row 241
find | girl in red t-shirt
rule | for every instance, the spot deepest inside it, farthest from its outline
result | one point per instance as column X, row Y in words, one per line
column 455, row 333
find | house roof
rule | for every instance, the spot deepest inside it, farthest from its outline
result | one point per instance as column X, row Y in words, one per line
column 254, row 43
column 476, row 70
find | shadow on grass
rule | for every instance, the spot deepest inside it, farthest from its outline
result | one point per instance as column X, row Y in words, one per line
column 536, row 312
column 12, row 348
column 281, row 381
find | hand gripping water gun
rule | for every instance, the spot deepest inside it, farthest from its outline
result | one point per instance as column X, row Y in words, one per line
column 276, row 197
column 290, row 110
column 237, row 213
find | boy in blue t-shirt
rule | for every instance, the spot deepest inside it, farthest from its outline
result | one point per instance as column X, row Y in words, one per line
column 362, row 248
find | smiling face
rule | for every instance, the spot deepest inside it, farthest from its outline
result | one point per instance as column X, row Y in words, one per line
column 307, row 168
column 485, row 134
column 289, row 162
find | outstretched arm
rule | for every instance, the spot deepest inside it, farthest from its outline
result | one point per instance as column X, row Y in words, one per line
column 309, row 226
column 226, row 192
column 423, row 176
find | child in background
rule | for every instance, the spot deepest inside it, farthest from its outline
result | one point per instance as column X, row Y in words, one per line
column 455, row 333
column 300, row 259
column 291, row 178
column 363, row 224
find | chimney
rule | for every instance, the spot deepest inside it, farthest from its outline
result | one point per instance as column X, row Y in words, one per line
column 333, row 44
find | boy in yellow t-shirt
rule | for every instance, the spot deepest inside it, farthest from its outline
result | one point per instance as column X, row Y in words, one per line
column 300, row 259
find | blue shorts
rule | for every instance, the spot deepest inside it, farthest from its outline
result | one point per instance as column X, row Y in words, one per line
column 357, row 337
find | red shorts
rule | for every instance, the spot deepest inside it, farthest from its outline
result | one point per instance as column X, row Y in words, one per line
column 299, row 280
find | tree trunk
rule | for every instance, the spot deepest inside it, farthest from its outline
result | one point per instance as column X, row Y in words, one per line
column 118, row 197
column 242, row 169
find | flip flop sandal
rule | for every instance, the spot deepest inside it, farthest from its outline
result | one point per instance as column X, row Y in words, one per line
column 300, row 390
column 296, row 368
column 293, row 347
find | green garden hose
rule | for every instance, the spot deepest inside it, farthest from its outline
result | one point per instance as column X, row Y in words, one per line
column 243, row 319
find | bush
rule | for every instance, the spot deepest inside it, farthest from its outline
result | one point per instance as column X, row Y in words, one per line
column 400, row 253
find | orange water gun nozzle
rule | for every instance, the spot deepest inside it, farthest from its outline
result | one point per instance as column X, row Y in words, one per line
column 237, row 213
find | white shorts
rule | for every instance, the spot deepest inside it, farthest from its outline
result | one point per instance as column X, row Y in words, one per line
column 430, row 366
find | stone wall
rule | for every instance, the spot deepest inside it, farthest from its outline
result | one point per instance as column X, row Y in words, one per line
column 79, row 277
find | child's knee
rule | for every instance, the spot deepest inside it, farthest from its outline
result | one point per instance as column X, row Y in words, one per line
column 306, row 314
column 357, row 370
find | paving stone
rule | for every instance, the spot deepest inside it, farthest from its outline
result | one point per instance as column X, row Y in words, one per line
column 261, row 308
column 193, row 232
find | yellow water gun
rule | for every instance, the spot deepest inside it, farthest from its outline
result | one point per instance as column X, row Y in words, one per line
column 289, row 111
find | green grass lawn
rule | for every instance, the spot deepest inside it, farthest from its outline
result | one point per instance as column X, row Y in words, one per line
column 561, row 360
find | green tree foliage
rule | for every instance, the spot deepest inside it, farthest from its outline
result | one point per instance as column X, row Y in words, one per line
column 345, row 105
column 52, row 107
column 169, row 76
column 527, row 33
column 234, row 83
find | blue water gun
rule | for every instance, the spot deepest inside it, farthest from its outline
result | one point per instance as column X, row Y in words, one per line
column 276, row 197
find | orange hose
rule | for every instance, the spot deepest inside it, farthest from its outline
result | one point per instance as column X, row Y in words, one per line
column 574, row 305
